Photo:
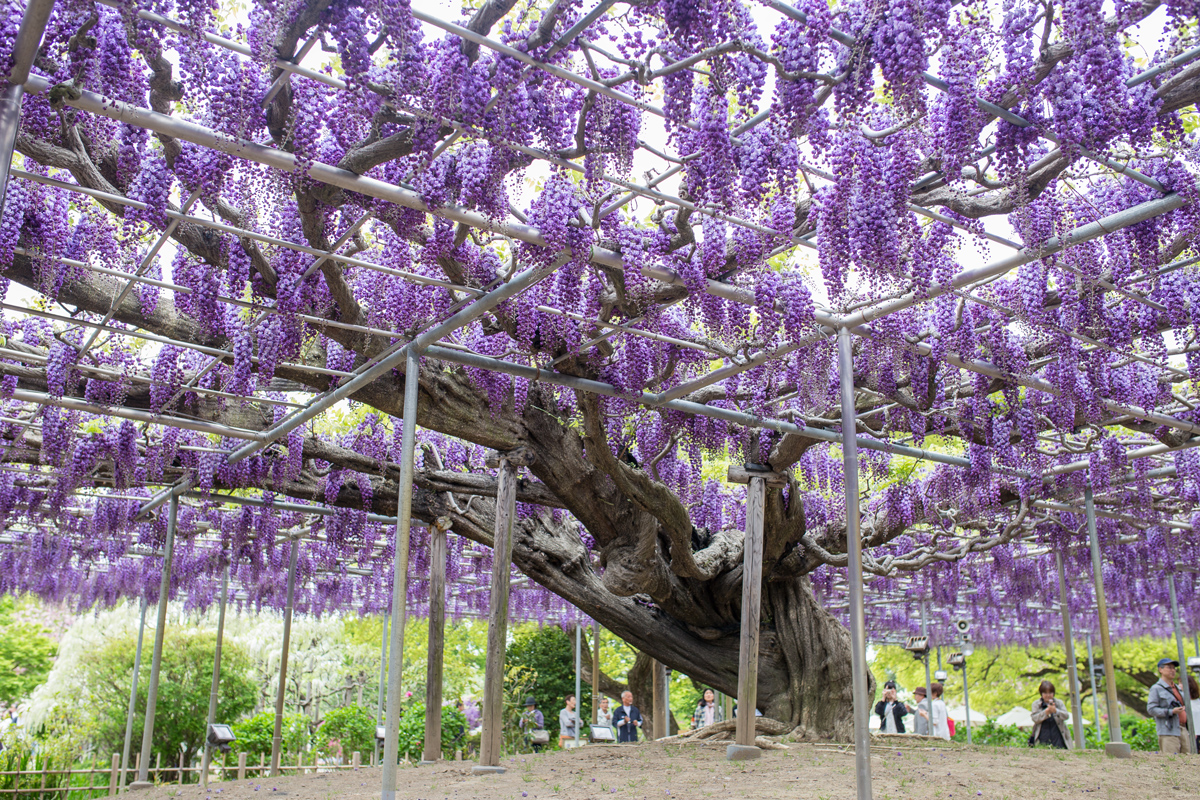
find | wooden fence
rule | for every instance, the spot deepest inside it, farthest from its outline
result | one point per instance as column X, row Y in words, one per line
column 73, row 785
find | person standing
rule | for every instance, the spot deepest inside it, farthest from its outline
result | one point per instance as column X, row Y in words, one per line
column 534, row 725
column 1165, row 704
column 707, row 711
column 1049, row 717
column 890, row 710
column 940, row 714
column 921, row 723
column 627, row 719
column 604, row 713
column 568, row 721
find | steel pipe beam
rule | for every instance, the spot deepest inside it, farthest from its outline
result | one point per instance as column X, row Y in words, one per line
column 137, row 667
column 1069, row 643
column 858, row 635
column 391, row 742
column 1115, row 747
column 164, row 591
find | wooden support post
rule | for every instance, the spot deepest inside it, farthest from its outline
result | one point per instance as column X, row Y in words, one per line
column 164, row 592
column 493, row 676
column 277, row 739
column 758, row 479
column 241, row 767
column 355, row 760
column 437, row 640
column 216, row 679
column 1115, row 748
column 659, row 725
column 112, row 779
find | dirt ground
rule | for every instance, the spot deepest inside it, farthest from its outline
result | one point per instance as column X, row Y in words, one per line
column 813, row 771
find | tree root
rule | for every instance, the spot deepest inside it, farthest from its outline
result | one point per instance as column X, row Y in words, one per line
column 768, row 733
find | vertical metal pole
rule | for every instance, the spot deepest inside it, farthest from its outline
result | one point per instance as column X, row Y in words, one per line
column 383, row 643
column 744, row 746
column 164, row 589
column 1190, row 744
column 578, row 678
column 437, row 641
column 1095, row 702
column 24, row 50
column 216, row 679
column 10, row 123
column 1069, row 644
column 858, row 636
column 137, row 666
column 277, row 739
column 595, row 672
column 928, row 682
column 391, row 744
column 966, row 700
column 1110, row 681
column 493, row 671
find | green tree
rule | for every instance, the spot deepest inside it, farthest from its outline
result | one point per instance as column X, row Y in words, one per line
column 26, row 653
column 550, row 652
column 184, row 683
column 256, row 735
column 352, row 727
column 412, row 730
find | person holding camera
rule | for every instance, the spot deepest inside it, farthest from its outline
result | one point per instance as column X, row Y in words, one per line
column 890, row 710
column 1049, row 720
column 1166, row 706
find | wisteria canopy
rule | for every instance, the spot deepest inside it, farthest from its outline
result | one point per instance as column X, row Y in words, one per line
column 219, row 214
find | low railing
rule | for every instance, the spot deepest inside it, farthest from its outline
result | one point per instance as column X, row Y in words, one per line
column 71, row 784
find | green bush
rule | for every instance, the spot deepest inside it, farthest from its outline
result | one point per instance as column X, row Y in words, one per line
column 989, row 733
column 351, row 726
column 254, row 735
column 412, row 731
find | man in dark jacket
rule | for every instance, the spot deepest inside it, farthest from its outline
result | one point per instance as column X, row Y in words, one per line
column 890, row 710
column 627, row 719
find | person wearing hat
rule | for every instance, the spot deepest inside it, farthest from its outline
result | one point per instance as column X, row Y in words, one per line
column 533, row 724
column 1167, row 707
column 890, row 710
column 627, row 719
column 921, row 722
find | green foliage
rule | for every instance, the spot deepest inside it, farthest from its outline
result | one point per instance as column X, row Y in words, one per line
column 991, row 734
column 26, row 654
column 255, row 735
column 183, row 691
column 518, row 683
column 56, row 755
column 549, row 651
column 353, row 727
column 463, row 655
column 412, row 731
column 1006, row 677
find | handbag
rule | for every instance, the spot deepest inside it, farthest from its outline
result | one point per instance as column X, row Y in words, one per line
column 539, row 737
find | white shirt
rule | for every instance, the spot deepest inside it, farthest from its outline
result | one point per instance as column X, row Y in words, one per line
column 889, row 718
column 603, row 717
column 627, row 708
column 709, row 713
column 941, row 728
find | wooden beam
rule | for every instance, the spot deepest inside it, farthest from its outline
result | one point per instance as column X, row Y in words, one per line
column 743, row 474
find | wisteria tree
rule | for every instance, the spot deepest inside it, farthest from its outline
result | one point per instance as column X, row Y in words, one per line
column 885, row 136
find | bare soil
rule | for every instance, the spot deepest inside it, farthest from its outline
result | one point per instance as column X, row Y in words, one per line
column 817, row 771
